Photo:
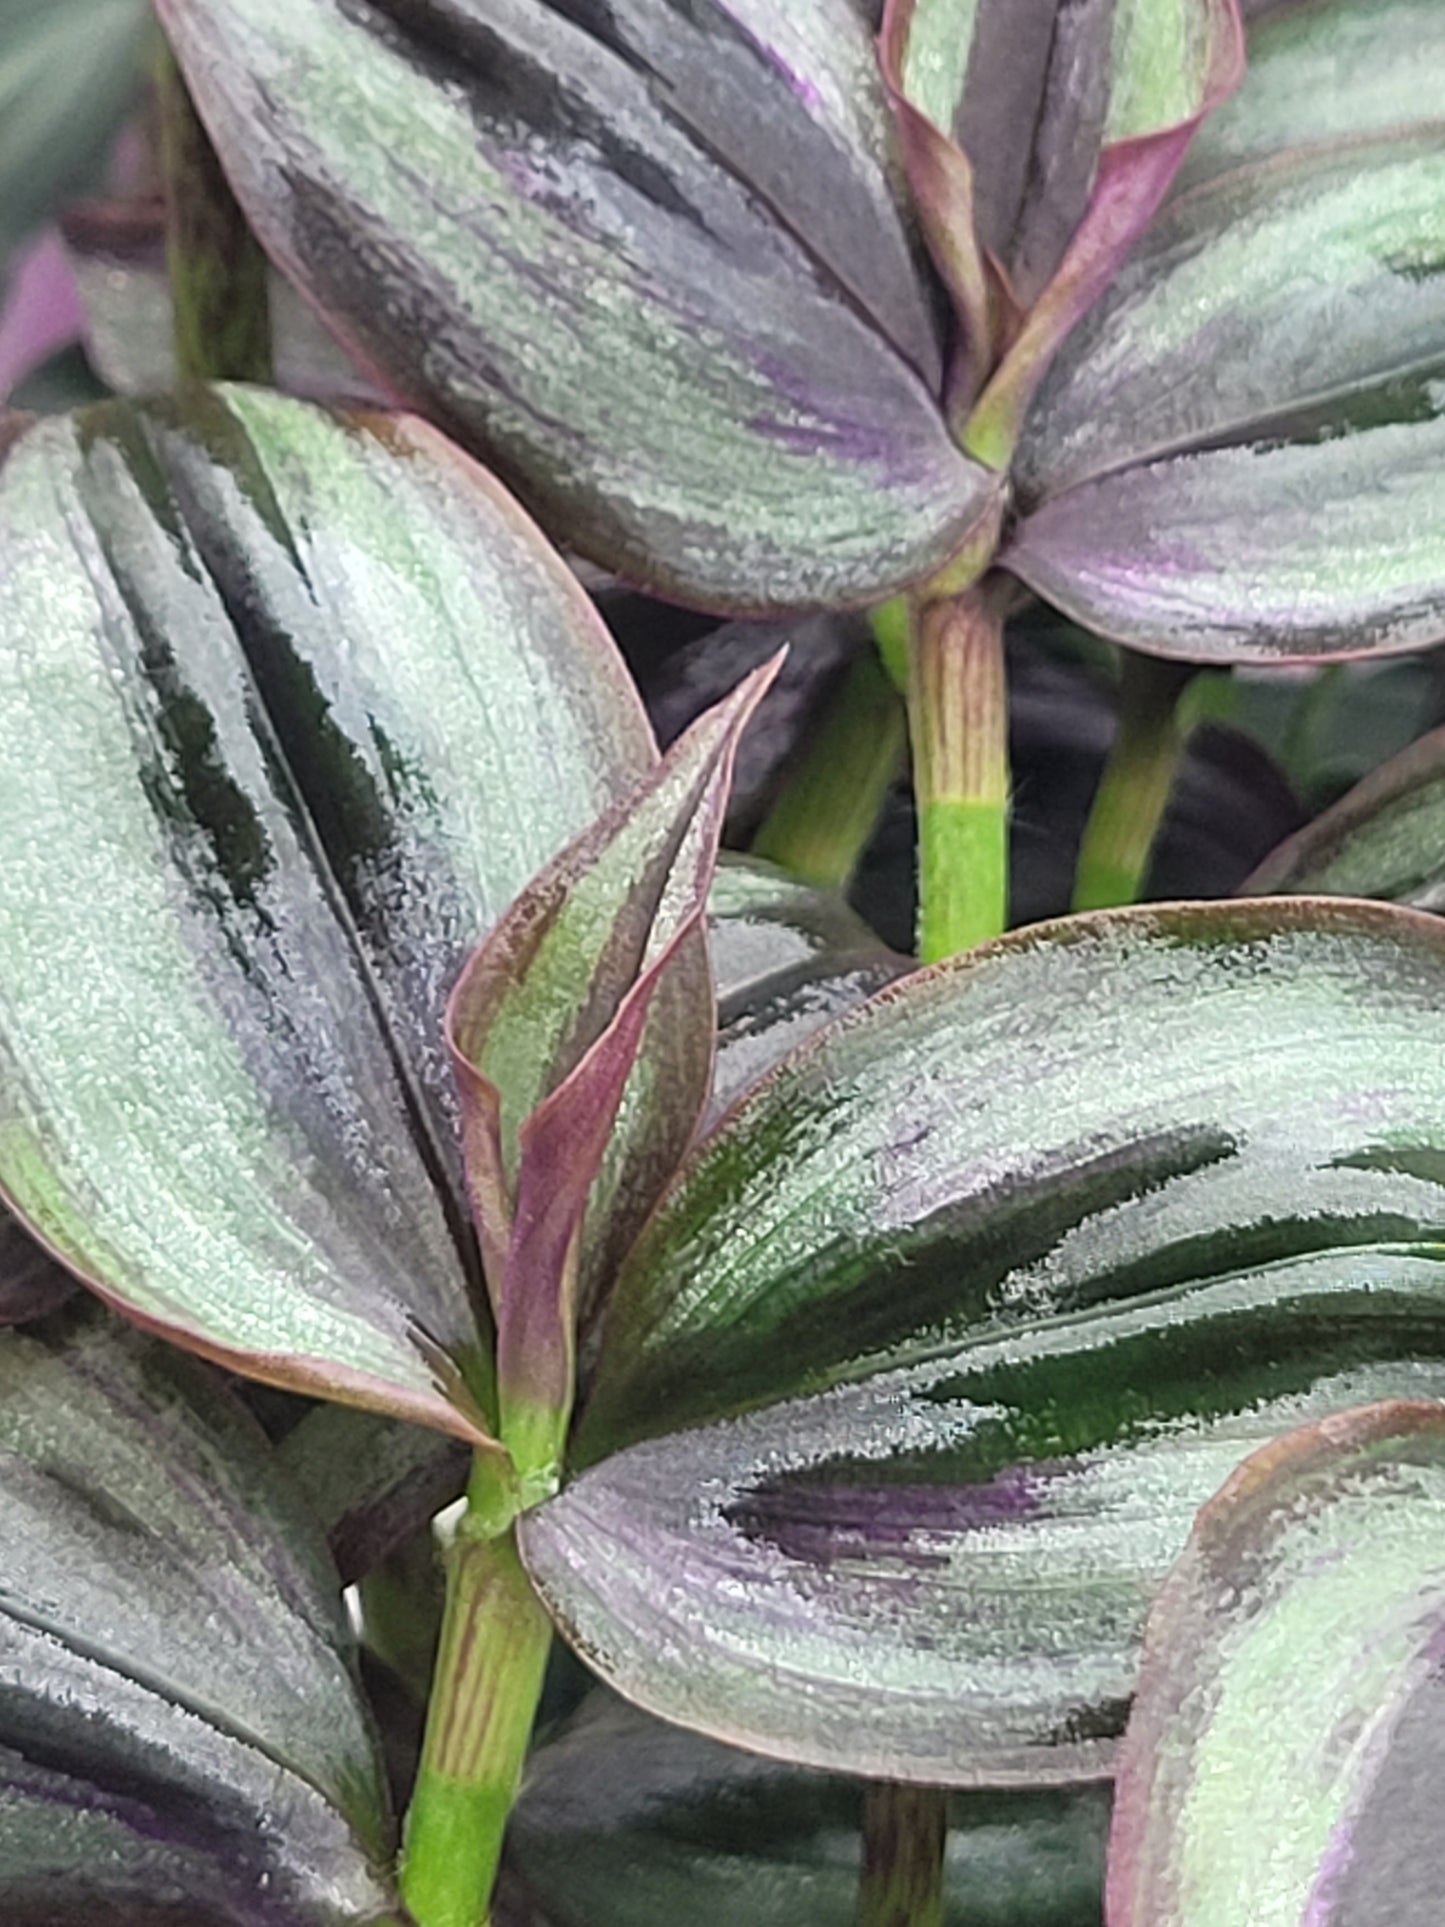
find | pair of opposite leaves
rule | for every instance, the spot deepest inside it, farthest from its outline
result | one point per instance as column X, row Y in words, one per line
column 950, row 1326
column 658, row 265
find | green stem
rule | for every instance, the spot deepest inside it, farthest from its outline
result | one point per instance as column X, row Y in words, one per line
column 820, row 825
column 494, row 1644
column 1134, row 790
column 219, row 288
column 958, row 716
column 905, row 1829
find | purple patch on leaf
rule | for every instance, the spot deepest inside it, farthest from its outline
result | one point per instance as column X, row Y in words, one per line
column 821, row 1524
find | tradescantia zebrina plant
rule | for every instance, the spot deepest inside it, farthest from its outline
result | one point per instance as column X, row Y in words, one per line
column 358, row 1017
column 763, row 315
column 857, row 1431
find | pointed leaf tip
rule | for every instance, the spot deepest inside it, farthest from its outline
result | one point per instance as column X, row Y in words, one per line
column 582, row 1036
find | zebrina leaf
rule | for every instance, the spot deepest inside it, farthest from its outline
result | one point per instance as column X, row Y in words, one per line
column 1286, row 1744
column 1324, row 70
column 626, row 1822
column 293, row 705
column 653, row 262
column 1385, row 839
column 915, row 1380
column 582, row 1036
column 1286, row 504
column 181, row 1733
column 1045, row 136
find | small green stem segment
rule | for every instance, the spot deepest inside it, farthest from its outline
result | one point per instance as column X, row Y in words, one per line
column 958, row 716
column 494, row 1645
column 905, row 1829
column 820, row 825
column 1134, row 790
column 218, row 274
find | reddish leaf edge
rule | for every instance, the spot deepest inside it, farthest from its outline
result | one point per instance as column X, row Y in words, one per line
column 1134, row 175
column 531, row 1229
column 1300, row 1450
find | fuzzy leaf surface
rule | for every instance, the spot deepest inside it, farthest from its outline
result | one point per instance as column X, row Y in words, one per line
column 1237, row 455
column 916, row 1379
column 648, row 257
column 1385, row 839
column 278, row 688
column 1324, row 70
column 1286, row 1740
column 181, row 1732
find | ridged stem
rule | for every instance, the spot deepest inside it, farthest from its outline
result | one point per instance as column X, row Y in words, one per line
column 1134, row 790
column 494, row 1644
column 821, row 823
column 905, row 1831
column 219, row 289
column 958, row 717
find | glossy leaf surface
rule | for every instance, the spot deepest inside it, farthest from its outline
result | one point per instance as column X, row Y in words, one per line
column 625, row 1822
column 1286, row 1743
column 1237, row 455
column 954, row 1325
column 1325, row 70
column 649, row 258
column 181, row 1735
column 234, row 1120
column 1386, row 839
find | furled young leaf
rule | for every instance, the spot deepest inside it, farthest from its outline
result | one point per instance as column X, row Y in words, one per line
column 1238, row 454
column 1164, row 66
column 649, row 259
column 292, row 705
column 625, row 1822
column 936, row 1347
column 181, row 1734
column 1385, row 839
column 1325, row 70
column 582, row 1035
column 1285, row 1749
column 70, row 71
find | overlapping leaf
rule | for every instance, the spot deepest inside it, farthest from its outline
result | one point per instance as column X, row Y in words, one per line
column 649, row 258
column 1041, row 139
column 1286, row 1744
column 582, row 1035
column 625, row 1822
column 915, row 1381
column 787, row 960
column 1386, row 839
column 1324, row 70
column 181, row 1735
column 1237, row 456
column 293, row 706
